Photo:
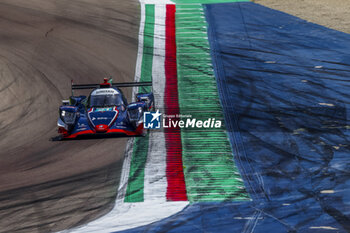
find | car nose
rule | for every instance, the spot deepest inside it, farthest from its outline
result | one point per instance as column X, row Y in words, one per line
column 101, row 128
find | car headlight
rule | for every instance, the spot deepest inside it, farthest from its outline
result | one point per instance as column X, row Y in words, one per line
column 68, row 117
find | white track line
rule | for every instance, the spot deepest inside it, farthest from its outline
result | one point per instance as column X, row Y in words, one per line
column 140, row 51
column 129, row 147
column 155, row 183
column 123, row 184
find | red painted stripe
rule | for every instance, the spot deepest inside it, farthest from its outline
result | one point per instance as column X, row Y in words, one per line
column 176, row 190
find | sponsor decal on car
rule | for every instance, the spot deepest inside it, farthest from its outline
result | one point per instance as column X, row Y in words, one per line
column 103, row 109
column 81, row 125
column 107, row 91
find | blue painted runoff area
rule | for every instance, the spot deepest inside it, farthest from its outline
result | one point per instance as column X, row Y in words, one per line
column 284, row 85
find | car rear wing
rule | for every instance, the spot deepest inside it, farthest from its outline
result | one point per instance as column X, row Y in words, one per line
column 93, row 86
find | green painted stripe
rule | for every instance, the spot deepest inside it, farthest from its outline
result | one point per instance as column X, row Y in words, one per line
column 209, row 168
column 147, row 57
column 135, row 189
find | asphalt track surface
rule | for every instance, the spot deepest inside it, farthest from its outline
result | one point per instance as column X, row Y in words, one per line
column 48, row 185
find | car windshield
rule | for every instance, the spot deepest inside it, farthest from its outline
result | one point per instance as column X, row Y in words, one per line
column 105, row 100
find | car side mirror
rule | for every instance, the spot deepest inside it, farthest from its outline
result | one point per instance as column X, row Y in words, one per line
column 147, row 98
column 76, row 100
column 135, row 110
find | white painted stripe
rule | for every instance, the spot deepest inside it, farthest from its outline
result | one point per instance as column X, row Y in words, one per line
column 130, row 215
column 155, row 183
column 139, row 52
column 129, row 148
column 123, row 183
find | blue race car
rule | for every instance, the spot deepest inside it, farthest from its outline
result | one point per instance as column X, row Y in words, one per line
column 105, row 111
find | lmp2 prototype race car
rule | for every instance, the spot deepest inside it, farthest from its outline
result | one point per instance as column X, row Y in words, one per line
column 105, row 111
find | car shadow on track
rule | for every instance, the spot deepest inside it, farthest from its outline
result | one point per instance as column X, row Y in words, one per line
column 88, row 137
